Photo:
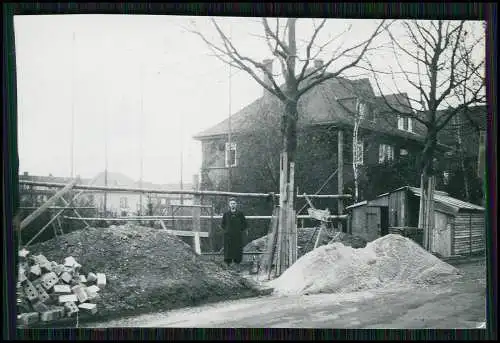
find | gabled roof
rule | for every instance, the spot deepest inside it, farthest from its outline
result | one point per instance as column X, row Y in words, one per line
column 323, row 104
column 441, row 198
column 446, row 200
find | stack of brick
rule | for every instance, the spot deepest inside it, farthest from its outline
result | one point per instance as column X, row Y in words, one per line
column 48, row 291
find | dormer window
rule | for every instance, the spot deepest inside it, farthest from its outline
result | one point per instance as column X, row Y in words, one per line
column 405, row 123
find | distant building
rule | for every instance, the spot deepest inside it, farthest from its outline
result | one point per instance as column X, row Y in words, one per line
column 117, row 203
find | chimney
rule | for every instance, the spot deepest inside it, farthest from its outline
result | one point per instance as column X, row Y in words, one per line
column 268, row 65
column 25, row 173
column 318, row 64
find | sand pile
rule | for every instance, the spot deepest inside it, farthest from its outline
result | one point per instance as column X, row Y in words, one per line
column 348, row 240
column 391, row 260
column 146, row 269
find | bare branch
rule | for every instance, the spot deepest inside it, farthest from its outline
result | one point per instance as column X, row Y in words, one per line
column 395, row 110
column 285, row 51
column 231, row 52
column 308, row 49
column 323, row 76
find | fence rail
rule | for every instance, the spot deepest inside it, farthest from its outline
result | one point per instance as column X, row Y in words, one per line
column 185, row 192
column 170, row 218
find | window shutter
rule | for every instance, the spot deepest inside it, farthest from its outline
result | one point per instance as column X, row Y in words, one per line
column 410, row 124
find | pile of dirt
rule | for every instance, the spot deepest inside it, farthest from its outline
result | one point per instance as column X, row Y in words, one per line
column 390, row 261
column 146, row 269
column 348, row 240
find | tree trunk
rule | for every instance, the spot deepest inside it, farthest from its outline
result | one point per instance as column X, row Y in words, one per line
column 355, row 156
column 427, row 186
column 462, row 159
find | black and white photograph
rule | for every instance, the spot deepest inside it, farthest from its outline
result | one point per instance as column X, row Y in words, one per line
column 245, row 172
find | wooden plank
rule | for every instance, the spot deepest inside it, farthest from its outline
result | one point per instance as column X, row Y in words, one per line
column 197, row 243
column 161, row 191
column 340, row 176
column 291, row 213
column 30, row 218
column 319, row 235
column 282, row 215
column 174, row 218
column 162, row 225
column 321, row 215
column 186, row 233
column 273, row 242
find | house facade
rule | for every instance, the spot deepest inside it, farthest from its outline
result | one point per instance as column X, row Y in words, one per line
column 332, row 106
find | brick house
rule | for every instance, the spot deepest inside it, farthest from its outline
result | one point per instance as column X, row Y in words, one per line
column 323, row 111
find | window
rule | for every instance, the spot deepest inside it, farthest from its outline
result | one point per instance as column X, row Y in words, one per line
column 123, row 202
column 403, row 152
column 359, row 153
column 405, row 123
column 231, row 157
column 446, row 177
column 385, row 153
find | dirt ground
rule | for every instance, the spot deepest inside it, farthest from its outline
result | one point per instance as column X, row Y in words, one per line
column 147, row 270
column 457, row 305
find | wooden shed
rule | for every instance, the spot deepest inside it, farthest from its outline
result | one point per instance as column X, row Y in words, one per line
column 459, row 225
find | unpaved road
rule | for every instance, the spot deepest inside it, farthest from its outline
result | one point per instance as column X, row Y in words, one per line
column 458, row 305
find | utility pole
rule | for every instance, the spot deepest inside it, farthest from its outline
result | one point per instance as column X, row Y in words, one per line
column 73, row 107
column 106, row 161
column 229, row 155
column 182, row 160
column 141, row 137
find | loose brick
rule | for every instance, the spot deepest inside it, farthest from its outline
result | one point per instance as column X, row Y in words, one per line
column 62, row 289
column 23, row 253
column 42, row 295
column 80, row 292
column 69, row 261
column 67, row 298
column 49, row 280
column 51, row 315
column 30, row 291
column 46, row 266
column 22, row 275
column 83, row 279
column 58, row 269
column 39, row 306
column 71, row 308
column 40, row 259
column 93, row 289
column 66, row 277
column 36, row 270
column 87, row 307
column 101, row 280
column 29, row 318
column 91, row 277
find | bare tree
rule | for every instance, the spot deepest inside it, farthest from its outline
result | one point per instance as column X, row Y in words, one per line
column 297, row 83
column 446, row 71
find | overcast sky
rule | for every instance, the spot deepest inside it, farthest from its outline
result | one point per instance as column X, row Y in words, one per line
column 98, row 76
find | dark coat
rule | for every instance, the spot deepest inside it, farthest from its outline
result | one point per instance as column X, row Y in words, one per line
column 233, row 225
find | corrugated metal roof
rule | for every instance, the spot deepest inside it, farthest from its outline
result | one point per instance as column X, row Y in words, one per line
column 447, row 200
column 357, row 204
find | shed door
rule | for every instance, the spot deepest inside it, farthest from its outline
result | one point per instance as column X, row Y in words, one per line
column 441, row 238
